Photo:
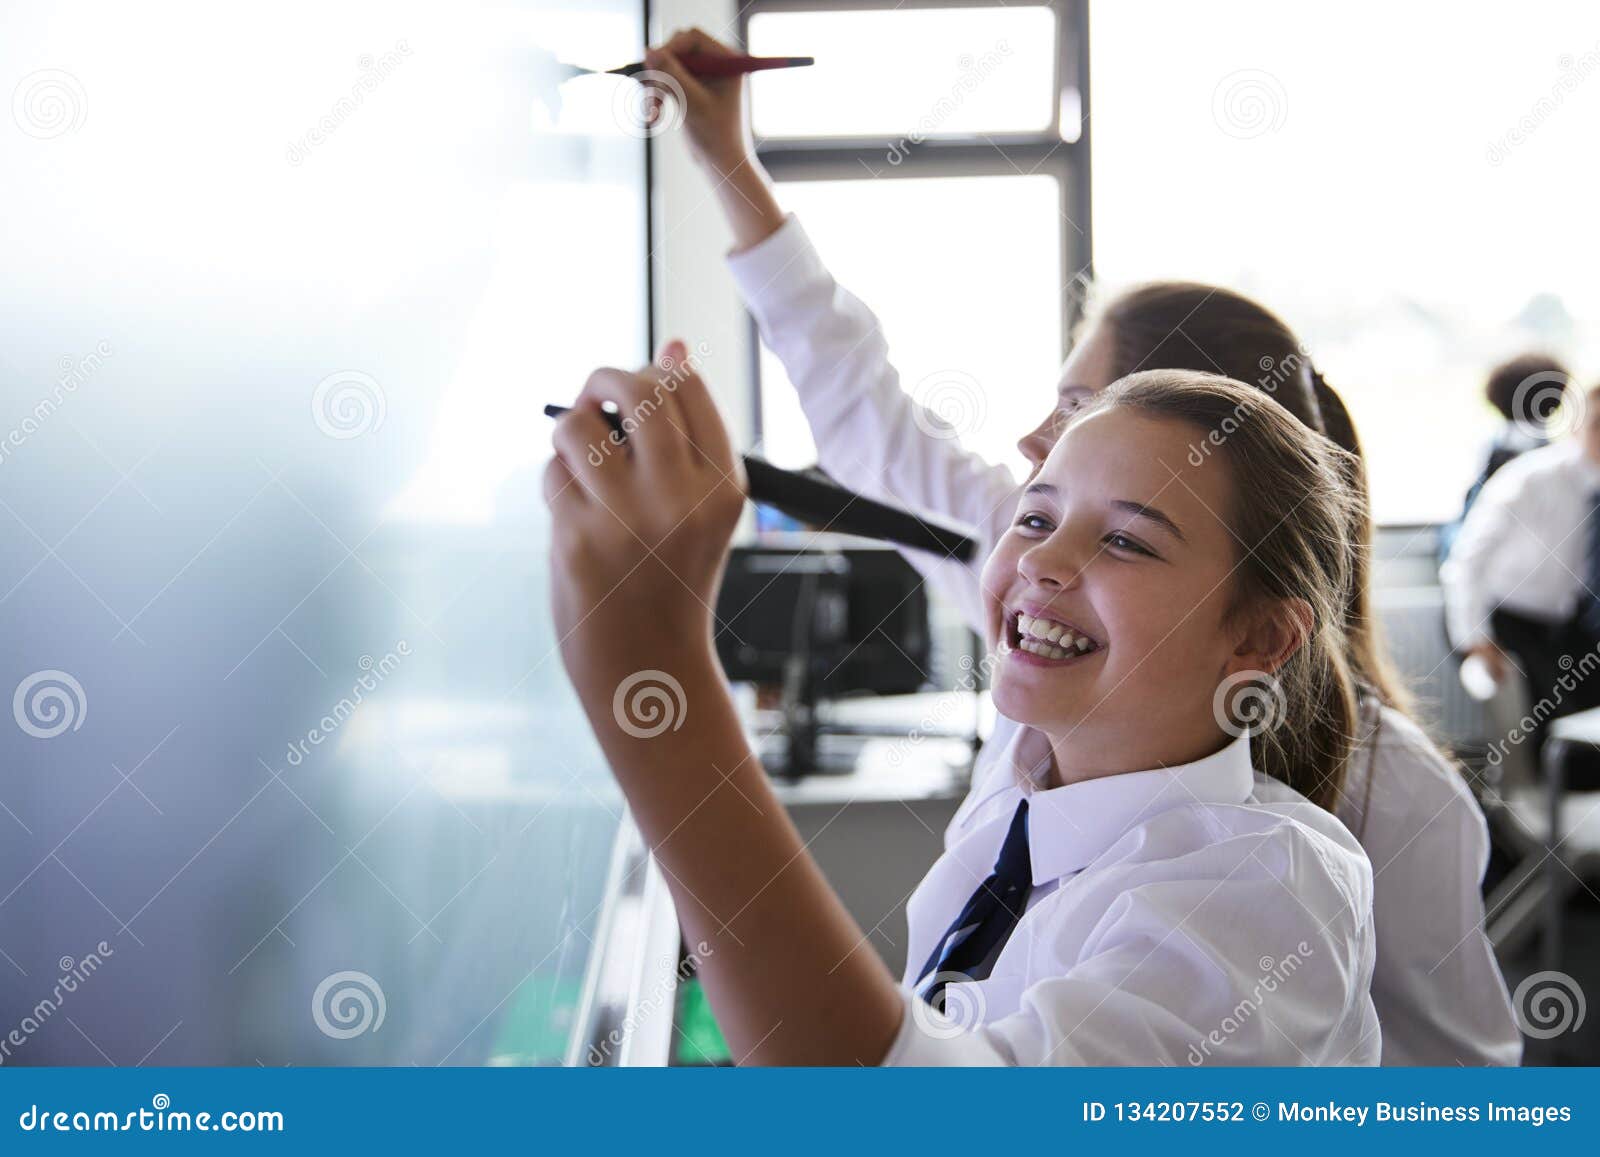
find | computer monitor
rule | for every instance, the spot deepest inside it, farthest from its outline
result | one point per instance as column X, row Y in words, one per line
column 822, row 623
column 859, row 613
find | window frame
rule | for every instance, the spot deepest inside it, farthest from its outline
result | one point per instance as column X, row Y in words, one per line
column 836, row 158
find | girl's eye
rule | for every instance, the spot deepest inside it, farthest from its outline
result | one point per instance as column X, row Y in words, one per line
column 1034, row 522
column 1123, row 542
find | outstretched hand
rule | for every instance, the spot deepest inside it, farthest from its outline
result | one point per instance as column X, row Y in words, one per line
column 712, row 107
column 641, row 520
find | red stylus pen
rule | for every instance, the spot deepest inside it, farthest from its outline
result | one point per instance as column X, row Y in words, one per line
column 709, row 64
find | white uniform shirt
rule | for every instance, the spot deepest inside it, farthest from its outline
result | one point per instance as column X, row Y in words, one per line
column 1522, row 544
column 1437, row 986
column 1200, row 914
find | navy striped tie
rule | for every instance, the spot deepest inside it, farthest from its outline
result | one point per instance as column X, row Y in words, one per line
column 974, row 938
column 1589, row 599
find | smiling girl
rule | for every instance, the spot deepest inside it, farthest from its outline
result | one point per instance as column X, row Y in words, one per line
column 1147, row 883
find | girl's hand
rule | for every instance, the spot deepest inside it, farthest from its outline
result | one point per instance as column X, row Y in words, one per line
column 641, row 524
column 641, row 530
column 713, row 108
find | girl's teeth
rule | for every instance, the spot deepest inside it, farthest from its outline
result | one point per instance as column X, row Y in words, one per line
column 1050, row 640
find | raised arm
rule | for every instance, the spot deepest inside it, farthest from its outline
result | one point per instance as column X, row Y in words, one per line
column 719, row 135
column 870, row 434
column 640, row 537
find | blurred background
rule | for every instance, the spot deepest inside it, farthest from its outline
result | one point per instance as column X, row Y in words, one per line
column 283, row 297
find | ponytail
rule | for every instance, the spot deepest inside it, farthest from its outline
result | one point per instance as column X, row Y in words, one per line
column 1311, row 751
column 1369, row 658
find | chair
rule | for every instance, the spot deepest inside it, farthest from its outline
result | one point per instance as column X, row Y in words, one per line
column 1555, row 833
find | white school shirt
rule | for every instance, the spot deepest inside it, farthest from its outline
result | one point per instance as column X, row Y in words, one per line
column 1522, row 544
column 1437, row 985
column 1200, row 914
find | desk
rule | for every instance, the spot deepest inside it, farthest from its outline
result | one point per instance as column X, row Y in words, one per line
column 873, row 739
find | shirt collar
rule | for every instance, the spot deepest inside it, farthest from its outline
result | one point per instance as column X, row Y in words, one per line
column 1069, row 826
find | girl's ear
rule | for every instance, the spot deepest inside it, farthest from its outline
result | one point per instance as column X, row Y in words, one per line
column 1273, row 636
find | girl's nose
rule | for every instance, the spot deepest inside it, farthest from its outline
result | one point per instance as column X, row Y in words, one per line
column 1036, row 445
column 1055, row 562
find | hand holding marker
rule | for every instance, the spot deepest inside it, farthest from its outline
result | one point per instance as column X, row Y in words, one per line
column 830, row 507
column 688, row 58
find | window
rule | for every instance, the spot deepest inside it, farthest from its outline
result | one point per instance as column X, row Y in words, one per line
column 1409, row 187
column 892, row 71
column 934, row 151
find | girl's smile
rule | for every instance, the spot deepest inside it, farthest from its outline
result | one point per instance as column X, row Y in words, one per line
column 1036, row 636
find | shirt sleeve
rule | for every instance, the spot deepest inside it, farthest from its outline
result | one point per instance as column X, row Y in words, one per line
column 929, row 1039
column 1249, row 952
column 870, row 435
column 1438, row 987
column 1467, row 574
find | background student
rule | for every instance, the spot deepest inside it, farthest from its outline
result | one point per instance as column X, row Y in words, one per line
column 1526, row 390
column 1149, row 857
column 1522, row 583
column 1438, row 987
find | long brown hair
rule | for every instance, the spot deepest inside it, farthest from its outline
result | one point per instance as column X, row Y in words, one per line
column 1184, row 325
column 1292, row 514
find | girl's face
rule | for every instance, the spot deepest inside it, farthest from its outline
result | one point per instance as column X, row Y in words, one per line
column 1090, row 368
column 1106, row 599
